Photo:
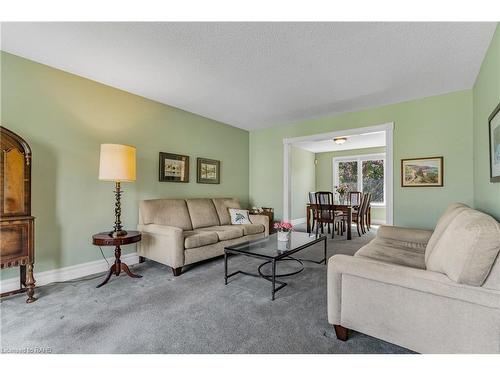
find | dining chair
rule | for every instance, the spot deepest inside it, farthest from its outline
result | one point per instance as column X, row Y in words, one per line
column 367, row 218
column 324, row 212
column 358, row 215
column 354, row 198
column 312, row 200
column 363, row 211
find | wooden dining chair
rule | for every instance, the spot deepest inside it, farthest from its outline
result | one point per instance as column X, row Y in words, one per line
column 354, row 198
column 363, row 211
column 324, row 213
column 356, row 214
column 367, row 218
column 312, row 200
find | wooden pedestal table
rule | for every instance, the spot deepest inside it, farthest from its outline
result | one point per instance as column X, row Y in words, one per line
column 105, row 239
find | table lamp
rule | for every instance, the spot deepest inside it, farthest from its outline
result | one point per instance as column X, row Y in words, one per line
column 117, row 163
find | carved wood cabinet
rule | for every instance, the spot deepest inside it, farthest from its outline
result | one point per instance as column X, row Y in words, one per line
column 17, row 226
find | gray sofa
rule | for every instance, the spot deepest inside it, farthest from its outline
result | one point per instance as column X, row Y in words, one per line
column 429, row 291
column 178, row 232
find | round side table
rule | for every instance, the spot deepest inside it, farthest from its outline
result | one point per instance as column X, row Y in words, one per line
column 104, row 239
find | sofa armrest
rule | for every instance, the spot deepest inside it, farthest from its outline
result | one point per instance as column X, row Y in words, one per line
column 420, row 236
column 162, row 243
column 340, row 266
column 261, row 219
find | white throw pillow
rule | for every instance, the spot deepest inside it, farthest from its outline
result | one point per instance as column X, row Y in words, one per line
column 239, row 216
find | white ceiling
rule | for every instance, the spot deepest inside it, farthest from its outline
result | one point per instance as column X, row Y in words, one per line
column 353, row 142
column 255, row 75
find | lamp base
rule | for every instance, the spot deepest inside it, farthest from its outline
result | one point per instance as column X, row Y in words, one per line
column 118, row 233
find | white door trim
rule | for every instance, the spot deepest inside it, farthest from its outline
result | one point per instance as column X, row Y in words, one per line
column 388, row 128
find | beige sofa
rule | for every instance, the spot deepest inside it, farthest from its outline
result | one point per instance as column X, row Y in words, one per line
column 178, row 232
column 429, row 291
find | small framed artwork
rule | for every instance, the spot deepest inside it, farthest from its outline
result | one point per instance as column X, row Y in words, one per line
column 494, row 131
column 208, row 171
column 174, row 167
column 422, row 172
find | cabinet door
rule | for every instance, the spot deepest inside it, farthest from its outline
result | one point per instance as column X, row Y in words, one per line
column 13, row 181
column 15, row 175
column 15, row 244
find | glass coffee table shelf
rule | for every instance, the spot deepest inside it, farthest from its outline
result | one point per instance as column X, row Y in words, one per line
column 273, row 251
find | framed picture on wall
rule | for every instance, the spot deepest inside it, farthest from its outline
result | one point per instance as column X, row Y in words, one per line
column 173, row 167
column 208, row 171
column 422, row 172
column 494, row 131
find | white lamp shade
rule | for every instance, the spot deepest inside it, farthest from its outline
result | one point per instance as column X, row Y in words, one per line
column 117, row 163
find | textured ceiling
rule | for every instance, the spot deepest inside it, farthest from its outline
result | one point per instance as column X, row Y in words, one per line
column 255, row 75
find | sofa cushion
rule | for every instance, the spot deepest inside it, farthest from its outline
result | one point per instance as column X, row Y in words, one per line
column 449, row 214
column 249, row 229
column 170, row 212
column 222, row 205
column 196, row 238
column 466, row 250
column 225, row 232
column 394, row 252
column 202, row 212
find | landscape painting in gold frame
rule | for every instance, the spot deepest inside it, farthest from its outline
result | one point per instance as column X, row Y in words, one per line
column 422, row 172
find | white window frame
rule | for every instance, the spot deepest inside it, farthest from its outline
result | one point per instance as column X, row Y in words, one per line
column 359, row 159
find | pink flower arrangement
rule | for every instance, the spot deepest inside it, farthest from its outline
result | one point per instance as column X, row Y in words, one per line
column 283, row 226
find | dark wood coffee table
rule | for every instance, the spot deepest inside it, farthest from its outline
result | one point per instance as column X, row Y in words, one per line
column 105, row 239
column 273, row 251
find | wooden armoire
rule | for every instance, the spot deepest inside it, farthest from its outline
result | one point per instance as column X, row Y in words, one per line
column 17, row 226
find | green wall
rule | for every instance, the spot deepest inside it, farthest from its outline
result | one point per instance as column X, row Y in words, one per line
column 486, row 94
column 324, row 172
column 65, row 118
column 303, row 180
column 433, row 126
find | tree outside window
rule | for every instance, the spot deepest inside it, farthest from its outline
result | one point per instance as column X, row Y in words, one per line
column 373, row 179
column 348, row 174
column 362, row 173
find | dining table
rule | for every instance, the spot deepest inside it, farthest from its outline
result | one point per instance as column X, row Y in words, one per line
column 346, row 208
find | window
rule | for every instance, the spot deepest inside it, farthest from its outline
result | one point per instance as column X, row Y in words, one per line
column 362, row 173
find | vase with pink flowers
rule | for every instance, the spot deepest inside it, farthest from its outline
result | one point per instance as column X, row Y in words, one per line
column 342, row 191
column 284, row 230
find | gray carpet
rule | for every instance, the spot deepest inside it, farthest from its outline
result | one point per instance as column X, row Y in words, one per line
column 192, row 313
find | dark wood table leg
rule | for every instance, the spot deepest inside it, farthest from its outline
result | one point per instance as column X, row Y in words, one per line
column 325, row 249
column 108, row 276
column 225, row 268
column 128, row 272
column 349, row 223
column 117, row 267
column 308, row 219
column 274, row 279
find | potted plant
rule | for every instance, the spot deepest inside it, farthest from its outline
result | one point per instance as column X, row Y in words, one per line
column 284, row 229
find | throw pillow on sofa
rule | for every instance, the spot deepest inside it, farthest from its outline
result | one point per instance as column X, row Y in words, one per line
column 239, row 216
column 467, row 248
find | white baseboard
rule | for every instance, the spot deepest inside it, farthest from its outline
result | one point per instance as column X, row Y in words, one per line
column 378, row 222
column 301, row 220
column 68, row 273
